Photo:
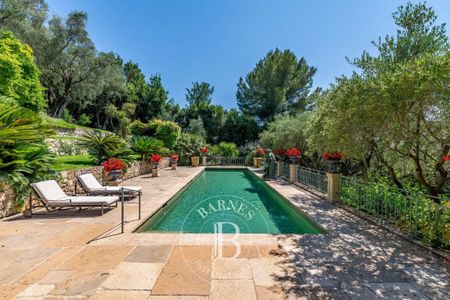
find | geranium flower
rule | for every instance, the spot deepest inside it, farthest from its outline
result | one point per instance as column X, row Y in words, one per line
column 155, row 158
column 204, row 150
column 113, row 164
column 293, row 152
column 332, row 156
column 174, row 156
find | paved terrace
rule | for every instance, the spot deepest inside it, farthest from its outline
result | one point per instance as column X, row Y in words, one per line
column 71, row 255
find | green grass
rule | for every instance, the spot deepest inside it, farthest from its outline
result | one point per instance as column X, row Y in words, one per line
column 71, row 162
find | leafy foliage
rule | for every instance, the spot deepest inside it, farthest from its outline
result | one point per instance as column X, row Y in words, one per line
column 20, row 76
column 394, row 115
column 166, row 131
column 101, row 145
column 189, row 144
column 286, row 131
column 24, row 157
column 225, row 149
column 146, row 146
column 279, row 83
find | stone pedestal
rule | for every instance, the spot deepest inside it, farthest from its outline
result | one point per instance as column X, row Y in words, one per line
column 155, row 172
column 204, row 160
column 280, row 165
column 195, row 160
column 333, row 187
column 293, row 172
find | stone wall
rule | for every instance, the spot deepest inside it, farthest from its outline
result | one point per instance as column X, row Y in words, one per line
column 68, row 182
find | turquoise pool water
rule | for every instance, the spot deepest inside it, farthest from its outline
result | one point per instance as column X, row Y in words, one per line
column 229, row 201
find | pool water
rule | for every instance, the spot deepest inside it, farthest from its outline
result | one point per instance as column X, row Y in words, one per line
column 229, row 201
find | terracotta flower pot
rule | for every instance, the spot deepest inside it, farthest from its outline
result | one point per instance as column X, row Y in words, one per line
column 257, row 161
column 195, row 161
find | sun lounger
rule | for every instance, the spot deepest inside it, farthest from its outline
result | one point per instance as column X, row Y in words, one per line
column 53, row 197
column 91, row 185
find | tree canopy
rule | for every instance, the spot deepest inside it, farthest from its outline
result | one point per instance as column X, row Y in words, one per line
column 279, row 83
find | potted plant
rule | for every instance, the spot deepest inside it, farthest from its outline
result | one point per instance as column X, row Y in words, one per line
column 113, row 168
column 204, row 152
column 155, row 159
column 334, row 161
column 173, row 161
column 293, row 154
column 280, row 154
column 257, row 160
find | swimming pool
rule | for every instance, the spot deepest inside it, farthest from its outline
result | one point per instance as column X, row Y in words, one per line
column 234, row 200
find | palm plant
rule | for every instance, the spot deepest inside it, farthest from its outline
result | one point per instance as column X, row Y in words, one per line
column 146, row 146
column 101, row 145
column 24, row 156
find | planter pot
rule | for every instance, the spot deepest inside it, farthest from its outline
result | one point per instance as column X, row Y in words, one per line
column 334, row 166
column 257, row 162
column 195, row 161
column 114, row 175
column 294, row 159
column 203, row 160
column 173, row 164
column 155, row 172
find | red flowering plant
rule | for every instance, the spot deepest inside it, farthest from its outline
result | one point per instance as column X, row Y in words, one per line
column 113, row 164
column 260, row 152
column 280, row 154
column 204, row 151
column 293, row 154
column 155, row 158
column 332, row 155
column 446, row 158
column 174, row 157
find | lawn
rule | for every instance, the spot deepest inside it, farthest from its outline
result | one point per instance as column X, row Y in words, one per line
column 69, row 162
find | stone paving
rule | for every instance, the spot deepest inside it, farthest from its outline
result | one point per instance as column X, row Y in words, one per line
column 71, row 255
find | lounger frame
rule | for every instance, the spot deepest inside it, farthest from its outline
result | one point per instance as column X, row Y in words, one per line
column 51, row 208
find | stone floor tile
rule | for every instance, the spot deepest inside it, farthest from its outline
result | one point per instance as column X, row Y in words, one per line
column 35, row 291
column 120, row 295
column 133, row 276
column 150, row 254
column 97, row 258
column 187, row 272
column 79, row 235
column 246, row 251
column 16, row 263
column 273, row 293
column 231, row 268
column 271, row 272
column 80, row 283
column 232, row 290
column 396, row 291
column 55, row 277
column 272, row 251
column 178, row 298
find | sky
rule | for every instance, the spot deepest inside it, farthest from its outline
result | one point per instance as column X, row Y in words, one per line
column 219, row 41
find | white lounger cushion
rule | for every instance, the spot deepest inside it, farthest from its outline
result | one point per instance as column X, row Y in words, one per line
column 91, row 184
column 50, row 192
